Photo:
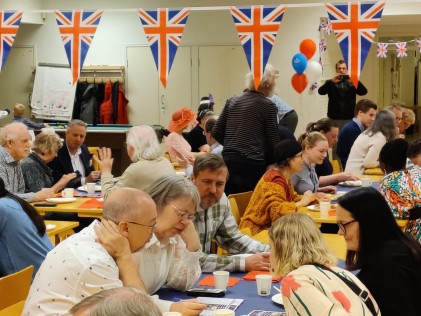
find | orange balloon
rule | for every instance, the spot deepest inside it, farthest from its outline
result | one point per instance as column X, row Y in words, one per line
column 308, row 48
column 299, row 82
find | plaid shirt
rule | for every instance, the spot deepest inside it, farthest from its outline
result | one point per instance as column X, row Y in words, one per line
column 11, row 173
column 222, row 227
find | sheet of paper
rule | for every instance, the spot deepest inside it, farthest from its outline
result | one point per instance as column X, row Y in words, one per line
column 214, row 303
column 266, row 313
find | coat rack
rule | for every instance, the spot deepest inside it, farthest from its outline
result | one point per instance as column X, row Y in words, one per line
column 102, row 74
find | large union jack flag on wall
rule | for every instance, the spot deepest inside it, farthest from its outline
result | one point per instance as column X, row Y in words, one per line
column 355, row 25
column 77, row 29
column 9, row 26
column 164, row 29
column 257, row 27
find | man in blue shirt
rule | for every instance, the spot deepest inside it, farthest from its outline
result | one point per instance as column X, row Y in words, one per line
column 365, row 113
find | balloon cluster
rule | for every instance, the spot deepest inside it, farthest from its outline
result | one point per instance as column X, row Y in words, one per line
column 306, row 71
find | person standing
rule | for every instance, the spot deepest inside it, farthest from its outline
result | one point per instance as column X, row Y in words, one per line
column 342, row 94
column 248, row 130
column 365, row 113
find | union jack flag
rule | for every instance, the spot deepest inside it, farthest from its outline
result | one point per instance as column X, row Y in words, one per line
column 9, row 25
column 401, row 50
column 77, row 29
column 257, row 27
column 382, row 50
column 355, row 25
column 164, row 29
column 419, row 44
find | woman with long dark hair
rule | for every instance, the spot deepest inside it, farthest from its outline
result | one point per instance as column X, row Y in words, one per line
column 389, row 260
column 23, row 240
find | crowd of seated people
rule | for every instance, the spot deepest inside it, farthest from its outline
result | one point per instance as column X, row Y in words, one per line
column 159, row 227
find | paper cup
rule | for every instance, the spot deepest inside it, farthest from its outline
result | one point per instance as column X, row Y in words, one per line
column 324, row 209
column 68, row 193
column 90, row 187
column 366, row 182
column 264, row 284
column 223, row 312
column 221, row 279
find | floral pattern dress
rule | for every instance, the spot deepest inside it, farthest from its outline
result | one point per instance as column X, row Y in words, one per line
column 310, row 290
column 402, row 191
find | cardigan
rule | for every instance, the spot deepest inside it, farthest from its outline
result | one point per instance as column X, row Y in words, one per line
column 36, row 173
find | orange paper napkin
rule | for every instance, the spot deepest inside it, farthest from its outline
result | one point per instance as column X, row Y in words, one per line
column 92, row 203
column 210, row 281
column 251, row 276
column 332, row 213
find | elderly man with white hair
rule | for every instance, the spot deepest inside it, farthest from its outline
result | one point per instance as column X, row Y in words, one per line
column 15, row 146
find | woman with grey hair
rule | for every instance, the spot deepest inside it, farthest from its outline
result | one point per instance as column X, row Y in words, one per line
column 147, row 164
column 366, row 149
column 171, row 257
column 36, row 173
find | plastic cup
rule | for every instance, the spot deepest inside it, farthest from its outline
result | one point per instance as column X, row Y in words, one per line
column 366, row 182
column 223, row 312
column 90, row 187
column 68, row 193
column 264, row 284
column 324, row 209
column 221, row 279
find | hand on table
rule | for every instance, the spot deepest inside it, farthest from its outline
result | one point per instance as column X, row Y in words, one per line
column 258, row 261
column 44, row 194
column 345, row 176
column 61, row 184
column 307, row 198
column 104, row 160
column 322, row 197
column 328, row 189
column 188, row 307
column 93, row 176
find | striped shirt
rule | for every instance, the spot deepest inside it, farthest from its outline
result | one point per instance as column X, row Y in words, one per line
column 220, row 225
column 248, row 125
column 11, row 173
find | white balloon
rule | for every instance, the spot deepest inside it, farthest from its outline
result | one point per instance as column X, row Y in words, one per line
column 313, row 71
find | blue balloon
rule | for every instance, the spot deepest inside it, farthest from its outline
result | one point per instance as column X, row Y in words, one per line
column 299, row 63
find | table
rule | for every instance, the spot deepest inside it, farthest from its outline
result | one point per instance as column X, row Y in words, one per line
column 61, row 230
column 103, row 135
column 73, row 207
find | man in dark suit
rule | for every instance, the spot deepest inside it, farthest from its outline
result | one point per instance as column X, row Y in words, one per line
column 365, row 113
column 74, row 156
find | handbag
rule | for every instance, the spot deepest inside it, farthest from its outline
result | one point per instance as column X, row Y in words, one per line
column 362, row 294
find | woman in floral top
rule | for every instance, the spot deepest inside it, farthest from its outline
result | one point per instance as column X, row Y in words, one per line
column 311, row 285
column 401, row 187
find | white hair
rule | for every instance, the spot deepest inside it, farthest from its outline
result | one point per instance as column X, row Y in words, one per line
column 268, row 76
column 144, row 142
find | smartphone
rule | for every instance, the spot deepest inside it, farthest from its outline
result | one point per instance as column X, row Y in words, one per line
column 206, row 292
column 45, row 204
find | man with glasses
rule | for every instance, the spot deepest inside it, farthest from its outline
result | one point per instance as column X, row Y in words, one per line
column 214, row 221
column 15, row 146
column 97, row 258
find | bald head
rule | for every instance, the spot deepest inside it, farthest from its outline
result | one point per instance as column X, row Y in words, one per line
column 12, row 131
column 15, row 138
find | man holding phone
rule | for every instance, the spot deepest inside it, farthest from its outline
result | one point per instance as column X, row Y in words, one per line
column 342, row 94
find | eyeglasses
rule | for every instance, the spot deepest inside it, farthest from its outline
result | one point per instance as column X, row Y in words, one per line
column 151, row 227
column 342, row 226
column 183, row 215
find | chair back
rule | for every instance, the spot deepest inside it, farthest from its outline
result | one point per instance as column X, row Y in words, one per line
column 242, row 199
column 234, row 209
column 15, row 287
column 13, row 310
column 222, row 252
column 337, row 244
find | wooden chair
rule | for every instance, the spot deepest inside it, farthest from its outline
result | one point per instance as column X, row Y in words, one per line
column 222, row 252
column 14, row 288
column 13, row 310
column 242, row 200
column 337, row 244
column 234, row 209
column 336, row 166
column 93, row 151
column 402, row 223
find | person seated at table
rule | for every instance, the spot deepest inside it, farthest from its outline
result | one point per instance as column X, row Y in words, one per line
column 127, row 301
column 196, row 137
column 408, row 119
column 312, row 284
column 389, row 261
column 178, row 148
column 329, row 128
column 171, row 256
column 36, row 173
column 74, row 156
column 215, row 147
column 274, row 195
column 18, row 116
column 364, row 115
column 86, row 263
column 15, row 146
column 401, row 187
column 414, row 152
column 314, row 146
column 214, row 221
column 23, row 238
column 365, row 151
column 147, row 164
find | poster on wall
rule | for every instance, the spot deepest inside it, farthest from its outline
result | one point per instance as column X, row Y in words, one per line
column 53, row 95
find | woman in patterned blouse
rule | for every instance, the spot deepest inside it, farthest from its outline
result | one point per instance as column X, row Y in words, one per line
column 312, row 285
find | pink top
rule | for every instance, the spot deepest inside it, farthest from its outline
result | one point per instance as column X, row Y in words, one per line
column 179, row 150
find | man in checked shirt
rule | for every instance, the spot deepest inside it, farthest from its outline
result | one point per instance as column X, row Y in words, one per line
column 214, row 221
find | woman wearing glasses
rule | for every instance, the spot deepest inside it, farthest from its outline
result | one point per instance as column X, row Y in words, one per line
column 389, row 260
column 172, row 255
